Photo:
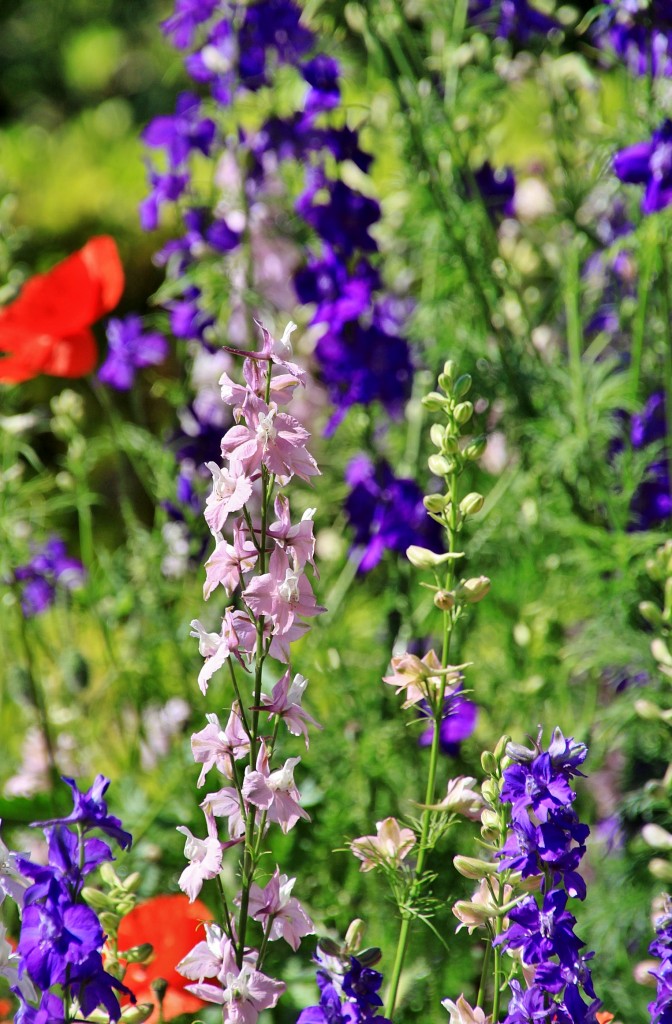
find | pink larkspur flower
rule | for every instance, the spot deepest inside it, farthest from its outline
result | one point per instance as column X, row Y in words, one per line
column 282, row 593
column 279, row 351
column 242, row 992
column 422, row 678
column 299, row 538
column 230, row 490
column 285, row 701
column 204, row 856
column 228, row 562
column 214, row 747
column 274, row 792
column 268, row 437
column 390, row 845
column 214, row 647
column 276, row 904
column 461, row 798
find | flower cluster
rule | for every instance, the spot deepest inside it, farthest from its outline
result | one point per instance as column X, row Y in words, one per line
column 546, row 839
column 639, row 34
column 661, row 1008
column 61, row 937
column 510, row 19
column 234, row 49
column 262, row 558
column 130, row 349
column 348, row 987
column 49, row 569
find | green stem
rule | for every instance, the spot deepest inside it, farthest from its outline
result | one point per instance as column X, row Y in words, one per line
column 575, row 339
column 484, row 971
column 38, row 700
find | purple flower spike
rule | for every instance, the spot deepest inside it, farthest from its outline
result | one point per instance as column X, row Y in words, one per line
column 322, row 73
column 90, row 811
column 130, row 350
column 49, row 569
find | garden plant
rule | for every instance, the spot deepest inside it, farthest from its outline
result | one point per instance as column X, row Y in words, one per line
column 335, row 494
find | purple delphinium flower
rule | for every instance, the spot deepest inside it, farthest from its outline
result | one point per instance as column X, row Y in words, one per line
column 640, row 35
column 61, row 938
column 661, row 1007
column 322, row 74
column 129, row 350
column 348, row 994
column 547, row 839
column 650, row 164
column 49, row 568
column 652, row 503
column 457, row 724
column 386, row 512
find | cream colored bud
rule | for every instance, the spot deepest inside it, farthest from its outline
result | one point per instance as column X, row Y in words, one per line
column 473, row 590
column 661, row 869
column 435, row 402
column 660, row 651
column 489, row 818
column 502, row 744
column 490, row 791
column 463, row 412
column 647, row 710
column 435, row 503
column 471, row 503
column 472, row 867
column 355, row 934
column 444, row 600
column 651, row 612
column 489, row 762
column 109, row 875
column 133, row 882
column 657, row 836
column 437, row 434
column 450, row 368
column 423, row 558
column 97, row 900
column 439, row 465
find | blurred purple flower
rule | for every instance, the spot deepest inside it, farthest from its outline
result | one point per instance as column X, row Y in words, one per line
column 457, row 724
column 322, row 73
column 497, row 187
column 49, row 568
column 386, row 512
column 649, row 164
column 182, row 132
column 510, row 19
column 640, row 35
column 652, row 504
column 129, row 350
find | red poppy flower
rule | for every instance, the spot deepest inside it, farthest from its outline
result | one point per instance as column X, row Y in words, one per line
column 47, row 329
column 173, row 926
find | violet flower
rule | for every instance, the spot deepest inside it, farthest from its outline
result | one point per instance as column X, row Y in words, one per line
column 652, row 503
column 457, row 724
column 129, row 350
column 649, row 164
column 49, row 569
column 640, row 35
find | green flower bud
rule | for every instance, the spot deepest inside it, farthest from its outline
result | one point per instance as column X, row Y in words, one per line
column 462, row 386
column 159, row 987
column 437, row 434
column 132, row 883
column 435, row 502
column 329, row 947
column 450, row 445
column 651, row 612
column 369, row 956
column 136, row 1014
column 473, row 590
column 109, row 875
column 137, row 954
column 109, row 921
column 472, row 503
column 439, row 465
column 463, row 412
column 435, row 402
column 502, row 744
column 490, row 791
column 661, row 869
column 444, row 600
column 472, row 867
column 423, row 558
column 448, row 376
column 97, row 900
column 475, row 448
column 489, row 762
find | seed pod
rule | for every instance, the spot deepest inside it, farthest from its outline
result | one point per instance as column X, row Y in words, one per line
column 444, row 600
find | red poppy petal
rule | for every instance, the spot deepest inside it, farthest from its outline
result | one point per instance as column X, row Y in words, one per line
column 101, row 257
column 173, row 926
column 28, row 353
column 74, row 356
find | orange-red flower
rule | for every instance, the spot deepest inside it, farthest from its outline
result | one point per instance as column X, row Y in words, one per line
column 47, row 329
column 173, row 926
column 604, row 1017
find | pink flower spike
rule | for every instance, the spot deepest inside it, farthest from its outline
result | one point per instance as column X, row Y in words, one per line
column 285, row 701
column 300, row 537
column 230, row 490
column 280, row 351
column 215, row 747
column 244, row 994
column 281, row 593
column 390, row 845
column 228, row 562
column 204, row 856
column 225, row 803
column 275, row 901
column 214, row 647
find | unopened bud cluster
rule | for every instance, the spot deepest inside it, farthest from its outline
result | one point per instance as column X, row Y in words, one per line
column 116, row 901
column 455, row 450
column 659, row 569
